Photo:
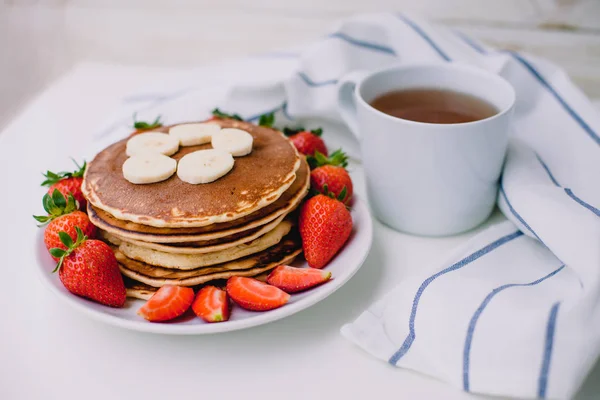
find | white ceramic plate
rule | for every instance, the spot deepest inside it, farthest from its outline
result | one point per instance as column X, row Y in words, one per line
column 342, row 267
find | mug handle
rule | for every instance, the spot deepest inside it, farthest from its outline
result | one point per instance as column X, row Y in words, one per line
column 347, row 101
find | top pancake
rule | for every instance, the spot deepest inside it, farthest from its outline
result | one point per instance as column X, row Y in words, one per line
column 255, row 181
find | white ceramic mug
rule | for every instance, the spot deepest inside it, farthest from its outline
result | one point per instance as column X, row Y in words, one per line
column 423, row 178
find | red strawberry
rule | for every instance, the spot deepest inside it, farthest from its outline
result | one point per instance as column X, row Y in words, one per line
column 307, row 142
column 89, row 268
column 167, row 303
column 211, row 304
column 292, row 280
column 255, row 295
column 67, row 183
column 63, row 217
column 329, row 175
column 325, row 225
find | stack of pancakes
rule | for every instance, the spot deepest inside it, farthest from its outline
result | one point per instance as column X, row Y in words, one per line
column 172, row 232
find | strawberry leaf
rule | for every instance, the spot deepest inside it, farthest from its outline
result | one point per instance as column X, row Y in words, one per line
column 337, row 158
column 55, row 206
column 219, row 114
column 58, row 199
column 68, row 242
column 56, row 252
column 143, row 125
column 342, row 195
column 65, row 239
column 267, row 120
column 55, row 177
column 41, row 219
column 287, row 131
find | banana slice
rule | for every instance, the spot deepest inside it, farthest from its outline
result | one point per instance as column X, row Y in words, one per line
column 204, row 166
column 194, row 134
column 148, row 168
column 152, row 142
column 234, row 141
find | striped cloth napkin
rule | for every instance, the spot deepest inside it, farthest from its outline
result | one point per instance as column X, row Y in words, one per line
column 514, row 312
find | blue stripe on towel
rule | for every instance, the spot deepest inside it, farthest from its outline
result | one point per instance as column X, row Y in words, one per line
column 548, row 344
column 361, row 43
column 425, row 36
column 552, row 178
column 474, row 45
column 544, row 83
column 312, row 83
column 477, row 314
column 518, row 216
column 554, row 93
column 590, row 207
column 284, row 110
column 568, row 191
column 465, row 261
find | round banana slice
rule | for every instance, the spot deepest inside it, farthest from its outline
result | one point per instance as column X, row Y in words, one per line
column 148, row 168
column 152, row 142
column 194, row 134
column 234, row 141
column 204, row 166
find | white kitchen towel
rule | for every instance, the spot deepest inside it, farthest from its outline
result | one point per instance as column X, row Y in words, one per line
column 515, row 311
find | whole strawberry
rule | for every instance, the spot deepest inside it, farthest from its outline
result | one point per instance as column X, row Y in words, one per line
column 67, row 183
column 63, row 217
column 89, row 268
column 307, row 142
column 329, row 175
column 325, row 225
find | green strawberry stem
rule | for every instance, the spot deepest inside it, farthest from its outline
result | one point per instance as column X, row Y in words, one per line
column 326, row 192
column 143, row 125
column 55, row 177
column 219, row 114
column 69, row 244
column 267, row 120
column 287, row 131
column 56, row 205
column 339, row 197
column 337, row 158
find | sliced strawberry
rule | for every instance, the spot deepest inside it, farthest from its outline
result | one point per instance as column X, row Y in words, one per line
column 167, row 303
column 255, row 295
column 211, row 304
column 292, row 280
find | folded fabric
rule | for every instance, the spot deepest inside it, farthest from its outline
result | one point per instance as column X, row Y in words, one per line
column 514, row 312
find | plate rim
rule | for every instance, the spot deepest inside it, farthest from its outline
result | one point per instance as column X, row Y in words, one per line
column 203, row 329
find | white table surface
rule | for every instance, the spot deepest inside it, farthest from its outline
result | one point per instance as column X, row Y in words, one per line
column 50, row 351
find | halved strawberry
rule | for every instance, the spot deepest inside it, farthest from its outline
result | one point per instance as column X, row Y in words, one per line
column 292, row 280
column 211, row 304
column 255, row 295
column 167, row 303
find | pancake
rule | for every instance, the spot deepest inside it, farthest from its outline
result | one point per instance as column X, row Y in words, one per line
column 173, row 203
column 282, row 253
column 194, row 247
column 230, row 230
column 138, row 290
column 192, row 261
